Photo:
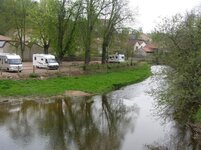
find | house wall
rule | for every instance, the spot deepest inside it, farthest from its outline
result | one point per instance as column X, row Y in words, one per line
column 139, row 46
column 142, row 53
column 8, row 48
column 28, row 53
column 136, row 46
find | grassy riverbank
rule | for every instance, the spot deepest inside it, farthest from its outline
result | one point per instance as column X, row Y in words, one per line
column 95, row 83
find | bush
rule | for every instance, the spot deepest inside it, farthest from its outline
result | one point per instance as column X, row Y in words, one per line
column 33, row 75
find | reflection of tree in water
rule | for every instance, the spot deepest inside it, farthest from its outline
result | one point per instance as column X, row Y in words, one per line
column 4, row 113
column 180, row 139
column 19, row 123
column 115, row 115
column 73, row 123
column 90, row 128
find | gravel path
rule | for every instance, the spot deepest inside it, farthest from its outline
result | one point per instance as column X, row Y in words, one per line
column 66, row 68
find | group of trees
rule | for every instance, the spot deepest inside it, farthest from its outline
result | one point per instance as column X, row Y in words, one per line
column 64, row 26
column 180, row 40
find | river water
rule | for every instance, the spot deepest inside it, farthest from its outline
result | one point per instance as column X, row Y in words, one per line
column 125, row 119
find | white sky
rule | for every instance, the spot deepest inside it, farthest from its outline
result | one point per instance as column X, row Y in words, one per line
column 151, row 11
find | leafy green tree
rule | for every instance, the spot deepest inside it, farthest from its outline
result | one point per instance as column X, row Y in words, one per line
column 17, row 14
column 180, row 39
column 91, row 13
column 116, row 13
column 67, row 15
column 42, row 21
column 6, row 21
column 55, row 25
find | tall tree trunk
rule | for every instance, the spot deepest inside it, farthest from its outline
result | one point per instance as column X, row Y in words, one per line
column 88, row 48
column 87, row 56
column 22, row 46
column 21, row 50
column 46, row 47
column 104, row 53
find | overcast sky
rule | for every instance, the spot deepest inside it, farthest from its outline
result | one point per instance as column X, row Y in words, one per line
column 151, row 11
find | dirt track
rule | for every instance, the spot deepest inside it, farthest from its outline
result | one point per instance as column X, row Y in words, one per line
column 66, row 68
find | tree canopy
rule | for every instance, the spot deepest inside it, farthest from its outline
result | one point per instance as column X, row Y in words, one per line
column 179, row 39
column 63, row 27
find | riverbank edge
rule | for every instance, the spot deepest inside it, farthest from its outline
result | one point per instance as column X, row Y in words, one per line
column 144, row 68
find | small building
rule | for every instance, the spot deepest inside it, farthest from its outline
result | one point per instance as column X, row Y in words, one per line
column 143, row 47
column 146, row 51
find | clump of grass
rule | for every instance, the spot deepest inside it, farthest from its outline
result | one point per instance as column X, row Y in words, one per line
column 33, row 75
column 197, row 116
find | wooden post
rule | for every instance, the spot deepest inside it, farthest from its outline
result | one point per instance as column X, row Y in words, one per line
column 18, row 70
column 34, row 69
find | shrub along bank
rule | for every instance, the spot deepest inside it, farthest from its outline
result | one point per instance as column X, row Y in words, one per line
column 97, row 83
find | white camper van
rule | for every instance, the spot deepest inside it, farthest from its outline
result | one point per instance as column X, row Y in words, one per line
column 116, row 58
column 10, row 62
column 45, row 61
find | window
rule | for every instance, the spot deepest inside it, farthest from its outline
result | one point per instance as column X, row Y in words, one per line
column 51, row 61
column 2, row 43
column 14, row 61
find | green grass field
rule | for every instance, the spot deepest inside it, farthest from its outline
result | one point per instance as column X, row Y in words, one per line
column 95, row 83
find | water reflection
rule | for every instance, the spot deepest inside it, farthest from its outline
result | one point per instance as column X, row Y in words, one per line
column 89, row 123
column 178, row 139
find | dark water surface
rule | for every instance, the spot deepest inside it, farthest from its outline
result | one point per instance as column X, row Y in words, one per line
column 121, row 120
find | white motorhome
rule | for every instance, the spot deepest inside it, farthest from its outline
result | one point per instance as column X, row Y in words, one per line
column 116, row 58
column 10, row 62
column 47, row 61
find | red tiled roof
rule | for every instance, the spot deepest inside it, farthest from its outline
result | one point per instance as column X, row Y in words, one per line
column 150, row 48
column 4, row 38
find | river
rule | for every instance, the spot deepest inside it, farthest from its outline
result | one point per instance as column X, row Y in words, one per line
column 125, row 119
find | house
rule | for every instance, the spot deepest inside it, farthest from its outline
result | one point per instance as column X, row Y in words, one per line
column 7, row 45
column 137, row 44
column 146, row 51
column 142, row 46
